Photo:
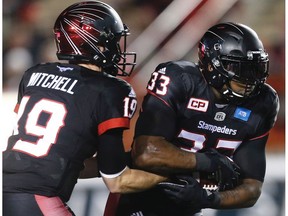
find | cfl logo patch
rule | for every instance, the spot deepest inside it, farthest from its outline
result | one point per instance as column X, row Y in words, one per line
column 220, row 116
column 198, row 104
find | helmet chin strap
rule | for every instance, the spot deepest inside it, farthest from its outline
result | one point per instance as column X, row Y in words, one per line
column 230, row 95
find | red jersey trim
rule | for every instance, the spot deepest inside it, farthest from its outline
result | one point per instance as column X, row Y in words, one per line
column 16, row 108
column 113, row 123
column 155, row 95
column 263, row 135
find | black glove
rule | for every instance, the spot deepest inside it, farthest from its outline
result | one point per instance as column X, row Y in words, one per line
column 221, row 167
column 226, row 179
column 188, row 192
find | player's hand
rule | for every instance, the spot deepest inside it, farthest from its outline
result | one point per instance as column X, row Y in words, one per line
column 187, row 191
column 225, row 171
column 226, row 178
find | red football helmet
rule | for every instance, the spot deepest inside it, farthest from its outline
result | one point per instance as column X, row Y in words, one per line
column 91, row 32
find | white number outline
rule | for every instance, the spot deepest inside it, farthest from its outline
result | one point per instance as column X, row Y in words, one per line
column 200, row 139
column 130, row 105
column 48, row 134
column 163, row 80
column 152, row 81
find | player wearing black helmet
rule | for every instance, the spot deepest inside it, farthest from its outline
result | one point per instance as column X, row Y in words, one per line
column 69, row 112
column 220, row 103
column 233, row 52
column 91, row 32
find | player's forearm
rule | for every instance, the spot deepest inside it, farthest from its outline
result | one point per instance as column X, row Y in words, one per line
column 132, row 180
column 243, row 196
column 138, row 180
column 157, row 155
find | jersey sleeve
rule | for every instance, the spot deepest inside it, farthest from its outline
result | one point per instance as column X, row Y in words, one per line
column 250, row 156
column 269, row 111
column 166, row 91
column 251, row 159
column 21, row 90
column 169, row 84
column 116, row 107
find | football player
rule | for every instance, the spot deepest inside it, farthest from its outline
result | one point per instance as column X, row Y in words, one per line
column 68, row 112
column 223, row 103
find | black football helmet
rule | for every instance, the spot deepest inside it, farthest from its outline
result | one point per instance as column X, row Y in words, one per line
column 230, row 51
column 90, row 32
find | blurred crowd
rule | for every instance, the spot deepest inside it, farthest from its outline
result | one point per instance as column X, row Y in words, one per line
column 28, row 39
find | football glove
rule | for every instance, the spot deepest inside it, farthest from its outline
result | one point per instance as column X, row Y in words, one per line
column 188, row 192
column 220, row 167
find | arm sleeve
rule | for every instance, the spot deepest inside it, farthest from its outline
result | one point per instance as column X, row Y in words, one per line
column 251, row 159
column 112, row 159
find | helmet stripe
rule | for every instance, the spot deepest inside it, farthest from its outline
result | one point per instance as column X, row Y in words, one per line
column 75, row 48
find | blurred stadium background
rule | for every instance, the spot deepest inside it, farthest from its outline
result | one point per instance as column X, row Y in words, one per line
column 160, row 30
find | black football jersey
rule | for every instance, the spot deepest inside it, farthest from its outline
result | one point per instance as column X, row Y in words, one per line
column 62, row 110
column 181, row 107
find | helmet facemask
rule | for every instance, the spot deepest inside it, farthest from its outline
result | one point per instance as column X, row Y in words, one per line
column 251, row 73
column 114, row 58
